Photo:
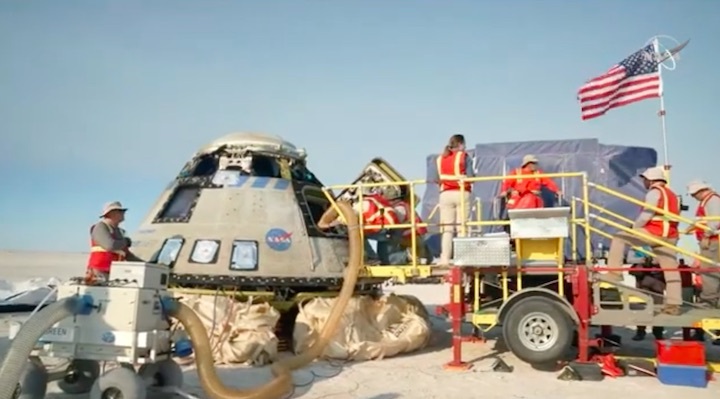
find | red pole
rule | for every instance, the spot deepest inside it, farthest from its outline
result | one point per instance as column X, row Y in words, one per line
column 456, row 310
column 582, row 304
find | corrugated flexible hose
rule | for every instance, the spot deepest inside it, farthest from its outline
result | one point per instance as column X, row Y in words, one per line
column 22, row 345
column 282, row 383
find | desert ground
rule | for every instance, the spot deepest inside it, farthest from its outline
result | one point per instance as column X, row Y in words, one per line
column 417, row 375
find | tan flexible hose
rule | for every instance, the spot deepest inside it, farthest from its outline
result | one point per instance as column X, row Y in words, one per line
column 282, row 384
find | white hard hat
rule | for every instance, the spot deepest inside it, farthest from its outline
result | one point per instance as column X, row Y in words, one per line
column 697, row 185
column 654, row 173
column 529, row 159
column 112, row 206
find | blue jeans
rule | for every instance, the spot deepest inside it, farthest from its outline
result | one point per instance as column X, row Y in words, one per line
column 388, row 248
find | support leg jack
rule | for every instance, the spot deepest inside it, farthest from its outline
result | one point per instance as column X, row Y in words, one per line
column 457, row 366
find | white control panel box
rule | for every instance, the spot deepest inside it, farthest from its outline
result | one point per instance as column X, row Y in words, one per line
column 144, row 275
column 127, row 323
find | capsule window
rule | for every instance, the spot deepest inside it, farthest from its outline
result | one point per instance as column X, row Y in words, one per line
column 180, row 205
column 205, row 251
column 169, row 251
column 244, row 255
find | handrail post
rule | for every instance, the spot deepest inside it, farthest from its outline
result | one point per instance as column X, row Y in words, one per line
column 586, row 217
column 413, row 224
column 573, row 233
column 361, row 225
column 478, row 213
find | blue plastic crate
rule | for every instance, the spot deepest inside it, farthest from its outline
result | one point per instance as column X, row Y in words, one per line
column 687, row 376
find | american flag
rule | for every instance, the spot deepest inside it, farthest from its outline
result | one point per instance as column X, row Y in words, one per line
column 635, row 78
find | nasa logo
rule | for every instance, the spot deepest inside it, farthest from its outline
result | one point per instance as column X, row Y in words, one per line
column 108, row 337
column 278, row 239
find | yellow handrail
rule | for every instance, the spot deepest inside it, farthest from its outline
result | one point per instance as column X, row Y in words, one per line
column 653, row 240
column 606, row 211
column 653, row 208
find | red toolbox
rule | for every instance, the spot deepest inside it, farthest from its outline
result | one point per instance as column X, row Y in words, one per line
column 676, row 352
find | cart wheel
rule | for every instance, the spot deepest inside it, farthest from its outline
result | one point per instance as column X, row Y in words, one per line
column 165, row 373
column 119, row 383
column 538, row 331
column 81, row 374
column 33, row 381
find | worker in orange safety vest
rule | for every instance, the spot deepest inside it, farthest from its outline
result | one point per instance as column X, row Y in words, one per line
column 453, row 165
column 708, row 207
column 401, row 205
column 377, row 213
column 525, row 193
column 659, row 226
column 108, row 243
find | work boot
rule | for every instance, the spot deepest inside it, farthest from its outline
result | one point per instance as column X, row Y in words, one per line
column 640, row 334
column 658, row 333
column 698, row 335
column 672, row 310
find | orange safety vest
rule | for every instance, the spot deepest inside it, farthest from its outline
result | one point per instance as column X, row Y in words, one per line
column 532, row 183
column 451, row 168
column 700, row 213
column 100, row 258
column 697, row 280
column 377, row 212
column 404, row 217
column 523, row 196
column 660, row 225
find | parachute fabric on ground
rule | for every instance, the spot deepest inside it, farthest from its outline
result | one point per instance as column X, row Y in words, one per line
column 370, row 329
column 26, row 295
column 239, row 332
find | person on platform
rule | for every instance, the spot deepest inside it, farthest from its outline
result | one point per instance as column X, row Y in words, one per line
column 660, row 227
column 526, row 192
column 401, row 205
column 377, row 215
column 453, row 165
column 707, row 214
column 108, row 243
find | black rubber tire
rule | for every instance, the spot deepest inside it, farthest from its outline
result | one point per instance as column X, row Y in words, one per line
column 33, row 381
column 81, row 377
column 551, row 310
column 120, row 381
column 165, row 373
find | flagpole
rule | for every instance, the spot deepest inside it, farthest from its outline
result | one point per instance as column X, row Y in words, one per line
column 661, row 113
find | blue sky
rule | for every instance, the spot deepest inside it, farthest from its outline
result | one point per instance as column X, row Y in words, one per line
column 105, row 100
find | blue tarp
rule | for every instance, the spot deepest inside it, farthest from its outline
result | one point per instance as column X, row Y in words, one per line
column 613, row 166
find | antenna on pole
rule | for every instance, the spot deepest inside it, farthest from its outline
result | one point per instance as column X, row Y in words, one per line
column 663, row 54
